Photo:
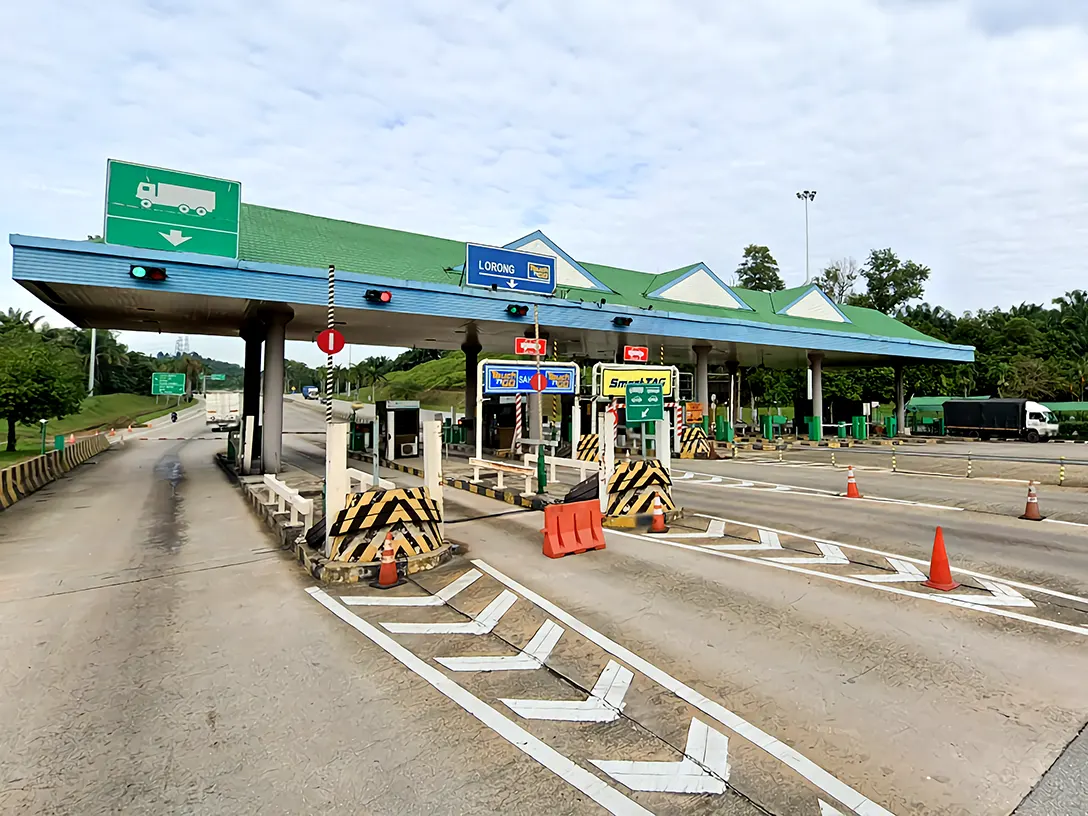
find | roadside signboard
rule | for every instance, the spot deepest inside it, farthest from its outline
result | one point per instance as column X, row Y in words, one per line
column 330, row 341
column 693, row 413
column 395, row 405
column 516, row 378
column 531, row 345
column 611, row 379
column 153, row 208
column 217, row 377
column 636, row 354
column 644, row 402
column 509, row 269
column 166, row 384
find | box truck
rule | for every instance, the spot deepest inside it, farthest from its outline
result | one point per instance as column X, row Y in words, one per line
column 1000, row 419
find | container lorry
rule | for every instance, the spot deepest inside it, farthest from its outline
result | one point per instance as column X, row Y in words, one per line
column 1000, row 419
column 223, row 410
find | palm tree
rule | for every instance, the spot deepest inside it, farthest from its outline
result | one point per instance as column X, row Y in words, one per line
column 371, row 372
column 17, row 318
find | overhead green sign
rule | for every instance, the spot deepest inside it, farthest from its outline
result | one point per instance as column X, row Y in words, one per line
column 217, row 376
column 644, row 402
column 152, row 208
column 164, row 383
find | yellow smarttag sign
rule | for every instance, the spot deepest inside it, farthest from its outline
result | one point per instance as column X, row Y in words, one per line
column 614, row 380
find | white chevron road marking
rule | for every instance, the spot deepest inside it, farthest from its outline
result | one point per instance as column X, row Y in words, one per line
column 830, row 554
column 604, row 704
column 440, row 598
column 482, row 625
column 905, row 572
column 768, row 540
column 706, row 749
column 531, row 657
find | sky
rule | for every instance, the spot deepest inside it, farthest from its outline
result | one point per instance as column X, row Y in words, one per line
column 640, row 134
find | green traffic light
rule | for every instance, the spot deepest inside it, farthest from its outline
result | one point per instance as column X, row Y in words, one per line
column 138, row 272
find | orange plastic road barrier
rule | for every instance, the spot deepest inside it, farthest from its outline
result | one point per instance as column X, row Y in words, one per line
column 940, row 574
column 572, row 528
column 1031, row 512
column 851, row 484
column 387, row 572
column 657, row 523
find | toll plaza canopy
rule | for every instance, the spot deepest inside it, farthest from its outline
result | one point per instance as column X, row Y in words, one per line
column 282, row 260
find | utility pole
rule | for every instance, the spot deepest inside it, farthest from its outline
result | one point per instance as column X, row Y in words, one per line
column 90, row 375
column 807, row 196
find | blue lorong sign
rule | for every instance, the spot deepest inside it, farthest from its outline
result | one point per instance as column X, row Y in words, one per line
column 509, row 270
column 514, row 378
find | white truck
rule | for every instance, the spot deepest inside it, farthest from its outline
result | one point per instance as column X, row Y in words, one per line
column 223, row 410
column 184, row 199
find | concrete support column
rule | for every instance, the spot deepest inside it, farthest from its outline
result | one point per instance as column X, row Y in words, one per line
column 336, row 475
column 816, row 361
column 900, row 403
column 272, row 423
column 253, row 334
column 472, row 359
column 733, row 368
column 702, row 375
column 432, row 462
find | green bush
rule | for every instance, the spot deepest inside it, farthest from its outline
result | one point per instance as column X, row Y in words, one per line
column 1073, row 429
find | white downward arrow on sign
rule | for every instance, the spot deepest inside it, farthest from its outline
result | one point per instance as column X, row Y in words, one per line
column 704, row 768
column 511, row 284
column 604, row 704
column 175, row 237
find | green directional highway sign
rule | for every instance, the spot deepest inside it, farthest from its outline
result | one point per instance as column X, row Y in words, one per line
column 217, row 376
column 152, row 208
column 171, row 385
column 644, row 402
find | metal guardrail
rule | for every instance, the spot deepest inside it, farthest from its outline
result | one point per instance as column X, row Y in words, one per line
column 553, row 462
column 302, row 509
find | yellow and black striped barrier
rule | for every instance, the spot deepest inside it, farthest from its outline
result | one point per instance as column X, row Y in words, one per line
column 631, row 492
column 409, row 514
column 23, row 478
column 588, row 448
column 694, row 444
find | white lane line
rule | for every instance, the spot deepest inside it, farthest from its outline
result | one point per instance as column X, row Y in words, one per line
column 604, row 704
column 977, row 604
column 482, row 625
column 827, row 810
column 829, row 554
column 440, row 598
column 905, row 571
column 1068, row 523
column 596, row 789
column 530, row 658
column 808, row 769
column 922, row 561
column 704, row 768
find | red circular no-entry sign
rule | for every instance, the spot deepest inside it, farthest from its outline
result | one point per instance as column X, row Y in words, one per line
column 539, row 382
column 330, row 341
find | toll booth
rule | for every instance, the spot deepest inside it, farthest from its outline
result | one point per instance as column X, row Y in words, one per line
column 361, row 436
column 498, row 417
column 398, row 428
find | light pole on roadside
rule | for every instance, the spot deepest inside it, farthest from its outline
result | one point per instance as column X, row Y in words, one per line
column 806, row 196
column 90, row 374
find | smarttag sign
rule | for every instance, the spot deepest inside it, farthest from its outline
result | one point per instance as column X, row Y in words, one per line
column 514, row 378
column 509, row 270
column 614, row 379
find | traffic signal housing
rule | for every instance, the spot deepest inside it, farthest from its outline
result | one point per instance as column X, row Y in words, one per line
column 517, row 310
column 148, row 273
column 378, row 296
column 622, row 322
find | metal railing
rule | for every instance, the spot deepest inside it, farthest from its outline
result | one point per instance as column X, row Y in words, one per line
column 302, row 509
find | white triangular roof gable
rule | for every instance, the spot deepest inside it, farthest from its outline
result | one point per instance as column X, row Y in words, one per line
column 815, row 305
column 702, row 286
column 568, row 272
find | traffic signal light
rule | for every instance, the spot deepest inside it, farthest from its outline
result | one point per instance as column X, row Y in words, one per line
column 622, row 322
column 378, row 296
column 151, row 273
column 516, row 310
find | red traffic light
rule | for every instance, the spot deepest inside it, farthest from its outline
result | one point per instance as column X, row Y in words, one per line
column 378, row 296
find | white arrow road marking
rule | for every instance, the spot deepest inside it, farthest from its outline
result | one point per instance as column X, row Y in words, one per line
column 706, row 749
column 531, row 657
column 827, row 810
column 483, row 624
column 830, row 554
column 716, row 529
column 687, row 474
column 440, row 598
column 175, row 237
column 905, row 571
column 1002, row 595
column 604, row 704
column 570, row 772
column 768, row 540
column 511, row 284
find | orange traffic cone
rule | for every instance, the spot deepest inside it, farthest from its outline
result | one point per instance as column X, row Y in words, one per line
column 851, row 484
column 657, row 523
column 1031, row 512
column 940, row 574
column 387, row 572
column 71, row 439
column 112, row 432
column 130, row 429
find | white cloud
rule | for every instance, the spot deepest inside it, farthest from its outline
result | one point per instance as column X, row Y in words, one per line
column 639, row 134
